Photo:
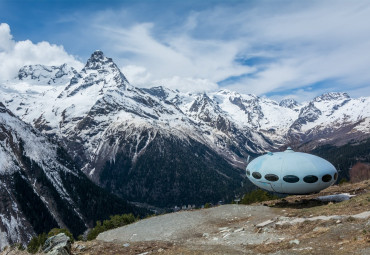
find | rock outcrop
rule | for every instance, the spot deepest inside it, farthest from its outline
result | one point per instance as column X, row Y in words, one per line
column 57, row 245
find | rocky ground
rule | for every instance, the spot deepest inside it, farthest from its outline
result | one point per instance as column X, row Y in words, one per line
column 294, row 225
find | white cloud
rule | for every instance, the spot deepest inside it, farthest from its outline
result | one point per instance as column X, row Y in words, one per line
column 140, row 77
column 136, row 75
column 6, row 42
column 15, row 54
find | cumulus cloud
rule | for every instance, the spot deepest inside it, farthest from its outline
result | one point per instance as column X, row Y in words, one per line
column 15, row 54
column 136, row 75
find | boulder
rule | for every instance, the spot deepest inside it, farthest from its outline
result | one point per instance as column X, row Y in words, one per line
column 57, row 245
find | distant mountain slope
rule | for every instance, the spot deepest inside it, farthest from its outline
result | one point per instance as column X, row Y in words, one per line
column 332, row 118
column 40, row 188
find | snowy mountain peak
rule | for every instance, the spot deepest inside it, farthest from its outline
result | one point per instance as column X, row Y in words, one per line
column 332, row 96
column 288, row 103
column 98, row 60
column 99, row 75
column 46, row 75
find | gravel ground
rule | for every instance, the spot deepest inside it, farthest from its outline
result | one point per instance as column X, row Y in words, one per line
column 229, row 224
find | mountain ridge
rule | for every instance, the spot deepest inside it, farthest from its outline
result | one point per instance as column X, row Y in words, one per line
column 101, row 119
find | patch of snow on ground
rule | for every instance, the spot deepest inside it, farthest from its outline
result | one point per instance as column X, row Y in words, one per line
column 336, row 197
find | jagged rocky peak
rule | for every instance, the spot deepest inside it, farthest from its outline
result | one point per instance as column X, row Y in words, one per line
column 99, row 71
column 332, row 96
column 288, row 103
column 98, row 60
column 43, row 75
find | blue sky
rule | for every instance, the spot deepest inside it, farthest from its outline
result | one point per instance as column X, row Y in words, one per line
column 278, row 49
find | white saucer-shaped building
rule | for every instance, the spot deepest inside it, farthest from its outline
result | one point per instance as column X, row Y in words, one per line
column 291, row 172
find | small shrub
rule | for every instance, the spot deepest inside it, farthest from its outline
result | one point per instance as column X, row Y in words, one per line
column 207, row 205
column 18, row 246
column 36, row 242
column 114, row 222
column 56, row 231
column 257, row 195
column 351, row 219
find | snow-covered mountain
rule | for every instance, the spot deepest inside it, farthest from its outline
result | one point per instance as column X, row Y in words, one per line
column 42, row 75
column 40, row 187
column 164, row 147
column 332, row 118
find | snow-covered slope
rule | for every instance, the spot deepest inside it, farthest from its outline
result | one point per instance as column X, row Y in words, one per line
column 34, row 88
column 40, row 188
column 332, row 118
column 46, row 75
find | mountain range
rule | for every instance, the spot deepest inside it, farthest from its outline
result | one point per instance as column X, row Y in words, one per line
column 157, row 146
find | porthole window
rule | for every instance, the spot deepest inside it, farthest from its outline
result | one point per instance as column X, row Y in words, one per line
column 248, row 173
column 256, row 175
column 335, row 176
column 271, row 177
column 291, row 178
column 310, row 179
column 326, row 178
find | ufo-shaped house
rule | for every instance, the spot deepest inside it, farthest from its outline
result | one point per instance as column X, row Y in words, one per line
column 291, row 172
